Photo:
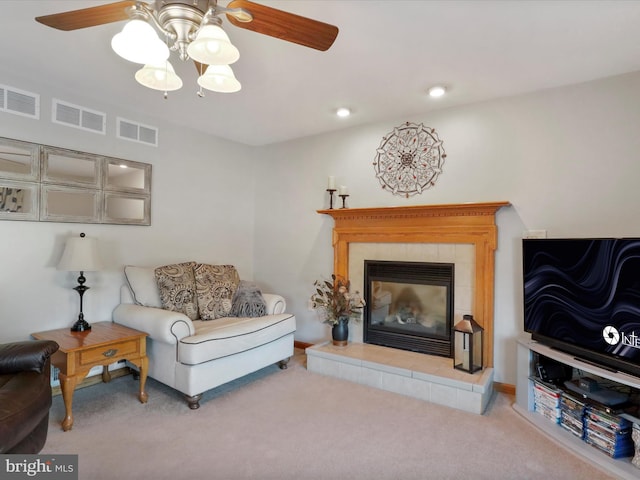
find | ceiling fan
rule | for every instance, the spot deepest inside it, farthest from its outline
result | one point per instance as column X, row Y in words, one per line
column 193, row 28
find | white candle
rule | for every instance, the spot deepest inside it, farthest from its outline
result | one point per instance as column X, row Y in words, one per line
column 332, row 183
column 343, row 190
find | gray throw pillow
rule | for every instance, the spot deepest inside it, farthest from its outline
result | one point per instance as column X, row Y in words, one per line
column 248, row 301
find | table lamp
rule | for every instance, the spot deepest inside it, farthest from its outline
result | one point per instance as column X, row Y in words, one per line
column 80, row 255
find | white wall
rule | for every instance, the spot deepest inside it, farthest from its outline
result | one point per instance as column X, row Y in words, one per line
column 202, row 209
column 565, row 158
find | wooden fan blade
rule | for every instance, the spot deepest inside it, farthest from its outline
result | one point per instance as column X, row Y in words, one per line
column 285, row 26
column 88, row 17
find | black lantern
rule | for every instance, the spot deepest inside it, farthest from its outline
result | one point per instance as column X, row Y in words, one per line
column 467, row 345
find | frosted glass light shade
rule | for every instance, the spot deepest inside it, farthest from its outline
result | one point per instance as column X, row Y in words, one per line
column 159, row 76
column 139, row 43
column 212, row 47
column 219, row 78
column 80, row 255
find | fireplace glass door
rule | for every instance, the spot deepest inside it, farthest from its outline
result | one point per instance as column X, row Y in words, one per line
column 409, row 305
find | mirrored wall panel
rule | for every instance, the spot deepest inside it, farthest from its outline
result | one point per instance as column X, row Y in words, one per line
column 18, row 200
column 19, row 160
column 122, row 208
column 69, row 204
column 51, row 184
column 70, row 168
column 126, row 176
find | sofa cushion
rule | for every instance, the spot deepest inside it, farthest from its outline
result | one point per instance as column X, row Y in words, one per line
column 215, row 288
column 177, row 286
column 230, row 335
column 143, row 285
column 248, row 301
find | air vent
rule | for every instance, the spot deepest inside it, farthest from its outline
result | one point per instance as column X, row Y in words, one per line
column 136, row 132
column 19, row 102
column 55, row 376
column 79, row 117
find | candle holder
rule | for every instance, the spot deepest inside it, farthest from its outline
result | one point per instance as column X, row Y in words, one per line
column 331, row 190
column 344, row 200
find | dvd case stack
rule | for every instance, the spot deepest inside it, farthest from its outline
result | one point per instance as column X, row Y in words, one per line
column 608, row 432
column 546, row 401
column 572, row 414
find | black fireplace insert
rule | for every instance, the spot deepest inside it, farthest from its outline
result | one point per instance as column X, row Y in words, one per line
column 409, row 305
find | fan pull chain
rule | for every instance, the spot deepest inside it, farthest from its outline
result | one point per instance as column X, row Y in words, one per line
column 166, row 70
column 200, row 92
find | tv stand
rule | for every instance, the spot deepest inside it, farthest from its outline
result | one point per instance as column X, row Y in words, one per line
column 526, row 350
column 594, row 364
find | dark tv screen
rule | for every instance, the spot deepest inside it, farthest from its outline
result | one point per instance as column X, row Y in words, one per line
column 583, row 296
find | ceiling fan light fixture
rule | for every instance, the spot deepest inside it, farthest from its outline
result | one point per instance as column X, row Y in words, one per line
column 213, row 47
column 159, row 76
column 139, row 43
column 192, row 28
column 219, row 78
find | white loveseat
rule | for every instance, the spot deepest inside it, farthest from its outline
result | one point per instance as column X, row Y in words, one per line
column 194, row 356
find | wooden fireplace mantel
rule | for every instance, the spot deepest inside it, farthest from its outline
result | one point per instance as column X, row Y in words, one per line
column 468, row 223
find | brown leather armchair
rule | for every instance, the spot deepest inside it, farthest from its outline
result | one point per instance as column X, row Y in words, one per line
column 25, row 395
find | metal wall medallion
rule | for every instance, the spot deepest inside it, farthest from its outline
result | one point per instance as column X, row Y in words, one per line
column 409, row 159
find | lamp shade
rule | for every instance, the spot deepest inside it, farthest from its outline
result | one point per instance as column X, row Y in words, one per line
column 139, row 43
column 80, row 255
column 219, row 78
column 212, row 47
column 160, row 76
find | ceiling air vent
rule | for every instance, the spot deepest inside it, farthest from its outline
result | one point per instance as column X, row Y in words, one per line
column 19, row 102
column 136, row 132
column 79, row 117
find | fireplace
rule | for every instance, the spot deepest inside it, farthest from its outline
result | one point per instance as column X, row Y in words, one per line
column 409, row 305
column 453, row 224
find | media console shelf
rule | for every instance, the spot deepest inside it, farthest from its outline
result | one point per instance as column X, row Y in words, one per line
column 526, row 350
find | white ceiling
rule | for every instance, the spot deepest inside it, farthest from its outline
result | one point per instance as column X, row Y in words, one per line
column 387, row 54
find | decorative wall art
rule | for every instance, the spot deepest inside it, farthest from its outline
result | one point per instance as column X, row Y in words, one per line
column 409, row 159
column 42, row 183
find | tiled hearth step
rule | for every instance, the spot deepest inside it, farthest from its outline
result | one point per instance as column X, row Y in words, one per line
column 417, row 375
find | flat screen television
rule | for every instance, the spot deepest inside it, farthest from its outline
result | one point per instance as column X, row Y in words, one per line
column 582, row 296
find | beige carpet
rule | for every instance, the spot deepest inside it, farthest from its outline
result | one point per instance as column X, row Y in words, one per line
column 294, row 424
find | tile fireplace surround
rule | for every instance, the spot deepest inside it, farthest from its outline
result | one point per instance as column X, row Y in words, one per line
column 427, row 377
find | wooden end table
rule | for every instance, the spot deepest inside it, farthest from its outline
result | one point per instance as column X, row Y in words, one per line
column 104, row 344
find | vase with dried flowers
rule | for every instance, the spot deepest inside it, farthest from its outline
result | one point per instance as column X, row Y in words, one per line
column 336, row 305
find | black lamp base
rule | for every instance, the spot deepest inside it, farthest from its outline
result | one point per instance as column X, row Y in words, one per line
column 80, row 326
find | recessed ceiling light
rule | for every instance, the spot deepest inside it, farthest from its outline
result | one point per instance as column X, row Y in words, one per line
column 343, row 112
column 437, row 91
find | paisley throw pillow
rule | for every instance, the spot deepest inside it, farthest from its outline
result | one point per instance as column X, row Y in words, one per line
column 215, row 288
column 177, row 286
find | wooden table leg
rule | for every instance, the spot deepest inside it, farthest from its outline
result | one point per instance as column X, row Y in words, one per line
column 144, row 366
column 106, row 374
column 68, row 385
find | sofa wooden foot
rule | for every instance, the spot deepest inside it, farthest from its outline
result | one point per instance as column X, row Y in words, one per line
column 283, row 363
column 194, row 401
